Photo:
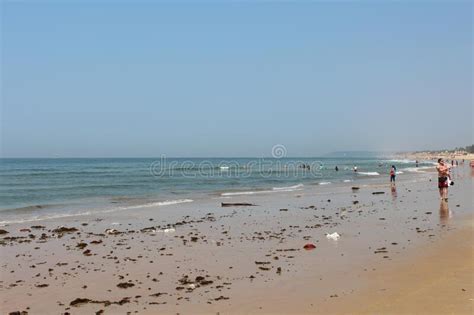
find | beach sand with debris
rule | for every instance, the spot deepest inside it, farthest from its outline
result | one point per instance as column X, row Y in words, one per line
column 400, row 251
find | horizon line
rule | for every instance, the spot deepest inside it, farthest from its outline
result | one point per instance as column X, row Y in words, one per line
column 185, row 157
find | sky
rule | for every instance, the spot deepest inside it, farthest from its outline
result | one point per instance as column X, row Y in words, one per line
column 232, row 79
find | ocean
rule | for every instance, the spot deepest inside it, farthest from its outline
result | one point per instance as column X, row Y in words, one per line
column 36, row 189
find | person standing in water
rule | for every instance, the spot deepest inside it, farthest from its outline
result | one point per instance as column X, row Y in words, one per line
column 355, row 169
column 443, row 177
column 393, row 173
column 337, row 168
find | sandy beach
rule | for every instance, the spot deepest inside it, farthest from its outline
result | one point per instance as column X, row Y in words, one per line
column 236, row 157
column 400, row 251
column 437, row 281
column 431, row 156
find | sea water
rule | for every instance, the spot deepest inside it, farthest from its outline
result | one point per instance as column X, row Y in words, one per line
column 35, row 189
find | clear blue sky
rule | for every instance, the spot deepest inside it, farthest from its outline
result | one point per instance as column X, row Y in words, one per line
column 233, row 79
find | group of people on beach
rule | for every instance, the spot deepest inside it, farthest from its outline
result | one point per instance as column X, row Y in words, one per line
column 444, row 175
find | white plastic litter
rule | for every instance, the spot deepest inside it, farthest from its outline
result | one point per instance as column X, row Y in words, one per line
column 170, row 230
column 334, row 236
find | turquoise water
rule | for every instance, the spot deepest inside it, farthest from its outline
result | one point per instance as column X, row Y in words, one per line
column 33, row 188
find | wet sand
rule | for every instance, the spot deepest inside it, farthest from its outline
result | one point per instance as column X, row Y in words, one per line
column 201, row 258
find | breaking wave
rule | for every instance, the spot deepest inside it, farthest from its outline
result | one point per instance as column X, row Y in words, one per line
column 274, row 189
column 369, row 173
column 94, row 212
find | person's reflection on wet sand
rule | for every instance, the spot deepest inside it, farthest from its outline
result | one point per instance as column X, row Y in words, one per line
column 393, row 189
column 444, row 213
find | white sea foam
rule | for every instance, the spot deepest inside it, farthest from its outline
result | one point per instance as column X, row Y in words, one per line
column 369, row 173
column 274, row 189
column 347, row 180
column 324, row 183
column 66, row 215
column 46, row 217
column 238, row 193
column 404, row 161
column 161, row 203
column 299, row 186
column 417, row 169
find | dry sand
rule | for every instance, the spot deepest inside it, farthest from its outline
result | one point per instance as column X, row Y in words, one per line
column 430, row 156
column 439, row 280
column 400, row 251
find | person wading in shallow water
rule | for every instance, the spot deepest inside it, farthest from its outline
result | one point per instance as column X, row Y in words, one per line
column 443, row 179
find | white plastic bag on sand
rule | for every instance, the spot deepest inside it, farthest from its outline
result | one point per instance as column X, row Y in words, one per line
column 170, row 230
column 334, row 236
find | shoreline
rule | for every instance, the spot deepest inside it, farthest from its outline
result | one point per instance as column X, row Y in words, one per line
column 96, row 206
column 231, row 260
